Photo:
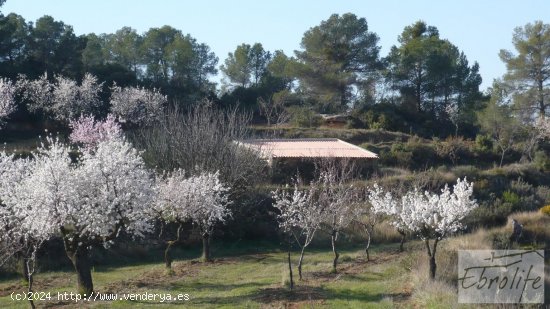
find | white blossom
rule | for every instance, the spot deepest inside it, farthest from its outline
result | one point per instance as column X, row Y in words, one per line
column 13, row 237
column 339, row 198
column 91, row 200
column 203, row 199
column 425, row 214
column 63, row 98
column 115, row 191
column 298, row 215
column 136, row 105
column 7, row 98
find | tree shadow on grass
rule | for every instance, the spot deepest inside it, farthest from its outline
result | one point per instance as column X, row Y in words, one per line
column 215, row 287
column 316, row 294
column 299, row 293
column 354, row 295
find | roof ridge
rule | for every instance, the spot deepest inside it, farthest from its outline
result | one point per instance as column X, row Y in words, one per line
column 313, row 139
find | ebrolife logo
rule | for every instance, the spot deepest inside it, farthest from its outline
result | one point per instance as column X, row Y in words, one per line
column 501, row 276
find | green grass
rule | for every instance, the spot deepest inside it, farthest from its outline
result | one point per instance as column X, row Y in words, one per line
column 239, row 281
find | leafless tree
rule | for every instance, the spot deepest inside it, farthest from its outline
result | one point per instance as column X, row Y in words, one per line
column 339, row 197
column 273, row 109
column 203, row 139
column 367, row 219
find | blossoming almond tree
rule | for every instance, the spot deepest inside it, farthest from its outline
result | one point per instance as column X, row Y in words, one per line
column 63, row 98
column 114, row 193
column 337, row 196
column 207, row 206
column 367, row 218
column 24, row 229
column 15, row 239
column 429, row 215
column 299, row 216
column 385, row 203
column 172, row 206
column 7, row 98
column 202, row 198
column 137, row 106
column 88, row 132
column 88, row 202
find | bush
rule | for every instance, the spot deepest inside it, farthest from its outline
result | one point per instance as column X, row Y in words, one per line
column 469, row 171
column 542, row 161
column 545, row 210
column 527, row 198
column 346, row 259
column 400, row 155
column 510, row 198
column 452, row 148
column 304, row 117
column 483, row 144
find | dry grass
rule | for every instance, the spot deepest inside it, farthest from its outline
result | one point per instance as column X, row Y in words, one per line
column 442, row 293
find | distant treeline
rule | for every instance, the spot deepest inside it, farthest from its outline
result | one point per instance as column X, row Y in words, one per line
column 425, row 85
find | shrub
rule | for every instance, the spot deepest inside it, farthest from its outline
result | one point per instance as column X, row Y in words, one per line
column 484, row 143
column 304, row 117
column 452, row 148
column 346, row 259
column 542, row 161
column 545, row 210
column 543, row 194
column 375, row 120
column 469, row 171
column 527, row 196
column 511, row 198
column 400, row 155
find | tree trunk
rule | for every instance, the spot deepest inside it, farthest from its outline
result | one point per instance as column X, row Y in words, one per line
column 25, row 270
column 368, row 244
column 433, row 267
column 206, row 247
column 290, row 267
column 167, row 256
column 502, row 158
column 300, row 263
column 81, row 263
column 336, row 254
column 419, row 88
column 29, row 278
column 542, row 107
column 431, row 257
column 402, row 233
column 343, row 99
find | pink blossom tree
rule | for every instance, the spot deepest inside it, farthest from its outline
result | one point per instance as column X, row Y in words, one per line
column 88, row 132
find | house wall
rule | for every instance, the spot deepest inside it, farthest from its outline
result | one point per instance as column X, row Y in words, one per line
column 284, row 169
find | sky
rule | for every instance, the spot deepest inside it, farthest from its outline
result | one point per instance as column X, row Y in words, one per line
column 480, row 28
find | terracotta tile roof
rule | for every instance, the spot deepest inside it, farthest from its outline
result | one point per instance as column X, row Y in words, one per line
column 307, row 148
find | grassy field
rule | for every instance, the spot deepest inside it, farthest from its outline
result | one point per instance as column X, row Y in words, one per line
column 244, row 281
column 253, row 275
